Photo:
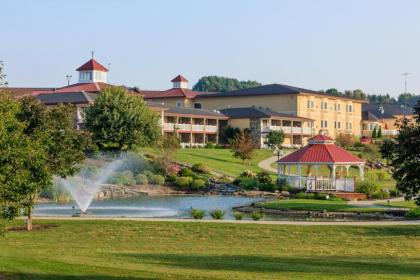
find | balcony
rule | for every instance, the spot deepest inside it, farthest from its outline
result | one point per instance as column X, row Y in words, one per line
column 189, row 127
column 288, row 129
column 385, row 132
column 210, row 128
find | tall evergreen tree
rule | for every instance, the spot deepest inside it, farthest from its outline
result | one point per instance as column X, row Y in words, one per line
column 379, row 135
column 374, row 133
column 222, row 84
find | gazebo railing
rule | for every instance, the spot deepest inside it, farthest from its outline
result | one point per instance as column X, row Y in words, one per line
column 315, row 184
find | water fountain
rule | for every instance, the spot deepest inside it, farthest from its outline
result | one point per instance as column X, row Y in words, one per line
column 83, row 190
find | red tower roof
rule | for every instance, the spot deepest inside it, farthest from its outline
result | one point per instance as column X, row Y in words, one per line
column 92, row 64
column 179, row 78
column 321, row 149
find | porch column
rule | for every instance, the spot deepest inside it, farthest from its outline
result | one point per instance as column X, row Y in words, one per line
column 316, row 170
column 362, row 172
column 288, row 170
column 333, row 177
column 191, row 132
column 299, row 167
column 217, row 131
column 347, row 170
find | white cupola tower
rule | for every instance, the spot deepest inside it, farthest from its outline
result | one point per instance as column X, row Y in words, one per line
column 179, row 82
column 92, row 72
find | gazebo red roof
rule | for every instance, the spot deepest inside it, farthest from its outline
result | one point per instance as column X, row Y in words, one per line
column 179, row 78
column 321, row 149
column 92, row 64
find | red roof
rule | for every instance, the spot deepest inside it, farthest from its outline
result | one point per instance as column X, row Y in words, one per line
column 321, row 149
column 86, row 87
column 92, row 65
column 179, row 78
column 173, row 92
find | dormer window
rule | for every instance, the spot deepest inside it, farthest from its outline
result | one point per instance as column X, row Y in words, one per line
column 179, row 82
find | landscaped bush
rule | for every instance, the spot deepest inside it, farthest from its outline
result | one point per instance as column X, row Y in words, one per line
column 264, row 177
column 171, row 178
column 238, row 215
column 224, row 179
column 186, row 172
column 414, row 213
column 198, row 184
column 158, row 180
column 247, row 174
column 267, row 187
column 134, row 162
column 393, row 192
column 201, row 168
column 122, row 178
column 89, row 171
column 141, row 179
column 257, row 215
column 380, row 195
column 248, row 183
column 149, row 174
column 197, row 214
column 183, row 182
column 369, row 187
column 217, row 214
column 210, row 145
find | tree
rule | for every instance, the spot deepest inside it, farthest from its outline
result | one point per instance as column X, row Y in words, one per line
column 222, row 84
column 229, row 133
column 275, row 138
column 374, row 133
column 243, row 146
column 23, row 162
column 119, row 121
column 344, row 140
column 63, row 146
column 403, row 154
column 379, row 135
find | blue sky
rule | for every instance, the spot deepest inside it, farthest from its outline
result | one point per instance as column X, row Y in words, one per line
column 312, row 44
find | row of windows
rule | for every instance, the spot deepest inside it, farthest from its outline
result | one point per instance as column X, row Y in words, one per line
column 337, row 125
column 324, row 106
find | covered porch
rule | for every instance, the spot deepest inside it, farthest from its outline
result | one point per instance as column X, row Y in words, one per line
column 301, row 169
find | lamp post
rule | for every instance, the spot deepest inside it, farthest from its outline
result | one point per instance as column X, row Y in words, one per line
column 279, row 153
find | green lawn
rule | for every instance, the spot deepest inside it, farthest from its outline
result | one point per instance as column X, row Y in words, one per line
column 317, row 205
column 221, row 160
column 122, row 250
column 400, row 204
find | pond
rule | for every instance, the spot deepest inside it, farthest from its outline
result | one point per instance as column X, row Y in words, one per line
column 150, row 206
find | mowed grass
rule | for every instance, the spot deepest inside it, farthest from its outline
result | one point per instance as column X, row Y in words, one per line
column 318, row 205
column 220, row 160
column 400, row 204
column 114, row 250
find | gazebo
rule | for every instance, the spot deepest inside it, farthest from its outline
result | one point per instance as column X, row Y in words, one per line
column 320, row 151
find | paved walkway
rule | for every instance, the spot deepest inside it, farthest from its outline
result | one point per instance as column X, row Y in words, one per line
column 266, row 164
column 297, row 223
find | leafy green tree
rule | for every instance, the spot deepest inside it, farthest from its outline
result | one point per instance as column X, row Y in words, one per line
column 374, row 133
column 275, row 138
column 243, row 146
column 403, row 154
column 379, row 135
column 23, row 162
column 119, row 121
column 410, row 100
column 229, row 133
column 222, row 84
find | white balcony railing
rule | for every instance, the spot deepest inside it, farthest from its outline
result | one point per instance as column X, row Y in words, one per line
column 189, row 127
column 183, row 126
column 211, row 128
column 289, row 129
column 385, row 132
column 169, row 126
column 197, row 127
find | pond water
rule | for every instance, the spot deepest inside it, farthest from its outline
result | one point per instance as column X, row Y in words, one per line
column 149, row 206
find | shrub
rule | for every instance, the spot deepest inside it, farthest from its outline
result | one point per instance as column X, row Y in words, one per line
column 210, row 145
column 380, row 195
column 171, row 178
column 248, row 183
column 393, row 192
column 344, row 140
column 149, row 174
column 183, row 182
column 238, row 215
column 186, row 172
column 368, row 187
column 134, row 162
column 217, row 214
column 247, row 174
column 197, row 214
column 141, row 179
column 267, row 187
column 201, row 168
column 158, row 180
column 414, row 213
column 358, row 144
column 224, row 179
column 122, row 178
column 305, row 195
column 256, row 215
column 198, row 184
column 264, row 177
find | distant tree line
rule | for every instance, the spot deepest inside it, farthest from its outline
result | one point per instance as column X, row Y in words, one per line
column 222, row 84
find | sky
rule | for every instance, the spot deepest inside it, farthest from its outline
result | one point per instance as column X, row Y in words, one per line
column 358, row 44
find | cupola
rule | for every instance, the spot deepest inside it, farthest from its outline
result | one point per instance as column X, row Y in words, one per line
column 179, row 82
column 92, row 72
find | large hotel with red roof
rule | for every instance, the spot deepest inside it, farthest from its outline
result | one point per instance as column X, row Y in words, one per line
column 198, row 117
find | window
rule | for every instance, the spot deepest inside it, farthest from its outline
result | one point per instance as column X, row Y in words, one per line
column 349, row 108
column 349, row 126
column 198, row 106
column 311, row 104
column 324, row 124
column 324, row 105
column 337, row 107
column 178, row 104
column 337, row 125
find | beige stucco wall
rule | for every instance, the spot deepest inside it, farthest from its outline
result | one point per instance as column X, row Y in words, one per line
column 330, row 114
column 241, row 123
column 172, row 101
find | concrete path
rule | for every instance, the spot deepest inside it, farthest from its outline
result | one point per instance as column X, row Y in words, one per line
column 372, row 202
column 297, row 223
column 266, row 164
